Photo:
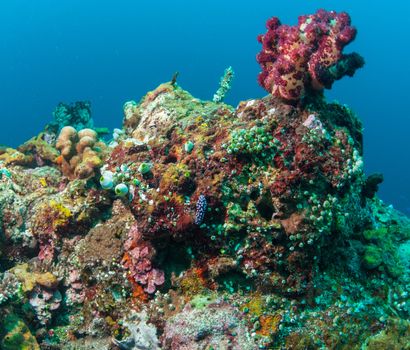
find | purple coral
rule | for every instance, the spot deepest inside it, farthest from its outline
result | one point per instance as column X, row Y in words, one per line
column 151, row 279
column 308, row 56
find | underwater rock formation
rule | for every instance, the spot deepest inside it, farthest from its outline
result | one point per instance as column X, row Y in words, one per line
column 204, row 226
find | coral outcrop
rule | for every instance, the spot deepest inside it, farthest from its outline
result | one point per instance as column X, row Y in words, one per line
column 205, row 226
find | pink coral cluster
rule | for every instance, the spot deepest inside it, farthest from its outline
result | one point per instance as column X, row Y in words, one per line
column 75, row 293
column 308, row 56
column 45, row 302
column 47, row 246
column 138, row 260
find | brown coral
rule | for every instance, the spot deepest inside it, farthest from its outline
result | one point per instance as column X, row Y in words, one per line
column 81, row 152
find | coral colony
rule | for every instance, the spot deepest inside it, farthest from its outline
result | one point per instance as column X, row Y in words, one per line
column 204, row 226
column 308, row 56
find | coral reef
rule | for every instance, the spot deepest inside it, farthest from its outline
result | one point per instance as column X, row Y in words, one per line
column 17, row 335
column 204, row 226
column 44, row 302
column 209, row 327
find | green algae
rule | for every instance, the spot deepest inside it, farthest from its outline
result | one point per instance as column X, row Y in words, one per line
column 372, row 257
column 17, row 335
column 201, row 301
column 381, row 249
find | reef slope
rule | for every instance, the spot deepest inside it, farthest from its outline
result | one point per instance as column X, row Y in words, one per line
column 211, row 227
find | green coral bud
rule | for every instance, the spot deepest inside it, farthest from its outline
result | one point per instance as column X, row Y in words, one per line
column 188, row 146
column 107, row 180
column 145, row 168
column 124, row 167
column 5, row 172
column 121, row 190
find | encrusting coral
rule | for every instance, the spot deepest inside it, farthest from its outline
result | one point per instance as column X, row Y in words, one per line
column 210, row 227
column 138, row 260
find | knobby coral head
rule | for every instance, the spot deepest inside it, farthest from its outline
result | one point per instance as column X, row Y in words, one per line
column 296, row 60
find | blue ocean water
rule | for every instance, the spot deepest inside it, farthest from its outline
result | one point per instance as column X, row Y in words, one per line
column 109, row 52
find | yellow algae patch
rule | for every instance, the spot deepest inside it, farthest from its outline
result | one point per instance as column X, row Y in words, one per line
column 63, row 214
column 30, row 279
column 174, row 174
column 13, row 157
column 255, row 305
column 269, row 324
column 46, row 279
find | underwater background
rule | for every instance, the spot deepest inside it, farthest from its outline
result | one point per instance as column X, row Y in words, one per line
column 109, row 52
column 199, row 224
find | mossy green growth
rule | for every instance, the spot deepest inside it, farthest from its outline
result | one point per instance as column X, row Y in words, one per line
column 376, row 235
column 201, row 301
column 381, row 245
column 253, row 142
column 372, row 257
column 395, row 336
column 403, row 232
column 17, row 336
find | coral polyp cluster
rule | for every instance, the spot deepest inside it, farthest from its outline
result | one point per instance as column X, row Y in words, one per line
column 308, row 56
column 204, row 226
column 80, row 152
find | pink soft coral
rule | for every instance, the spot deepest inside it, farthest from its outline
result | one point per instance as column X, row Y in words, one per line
column 308, row 56
column 138, row 260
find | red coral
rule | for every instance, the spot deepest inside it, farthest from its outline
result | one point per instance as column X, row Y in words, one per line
column 138, row 260
column 296, row 59
column 46, row 252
